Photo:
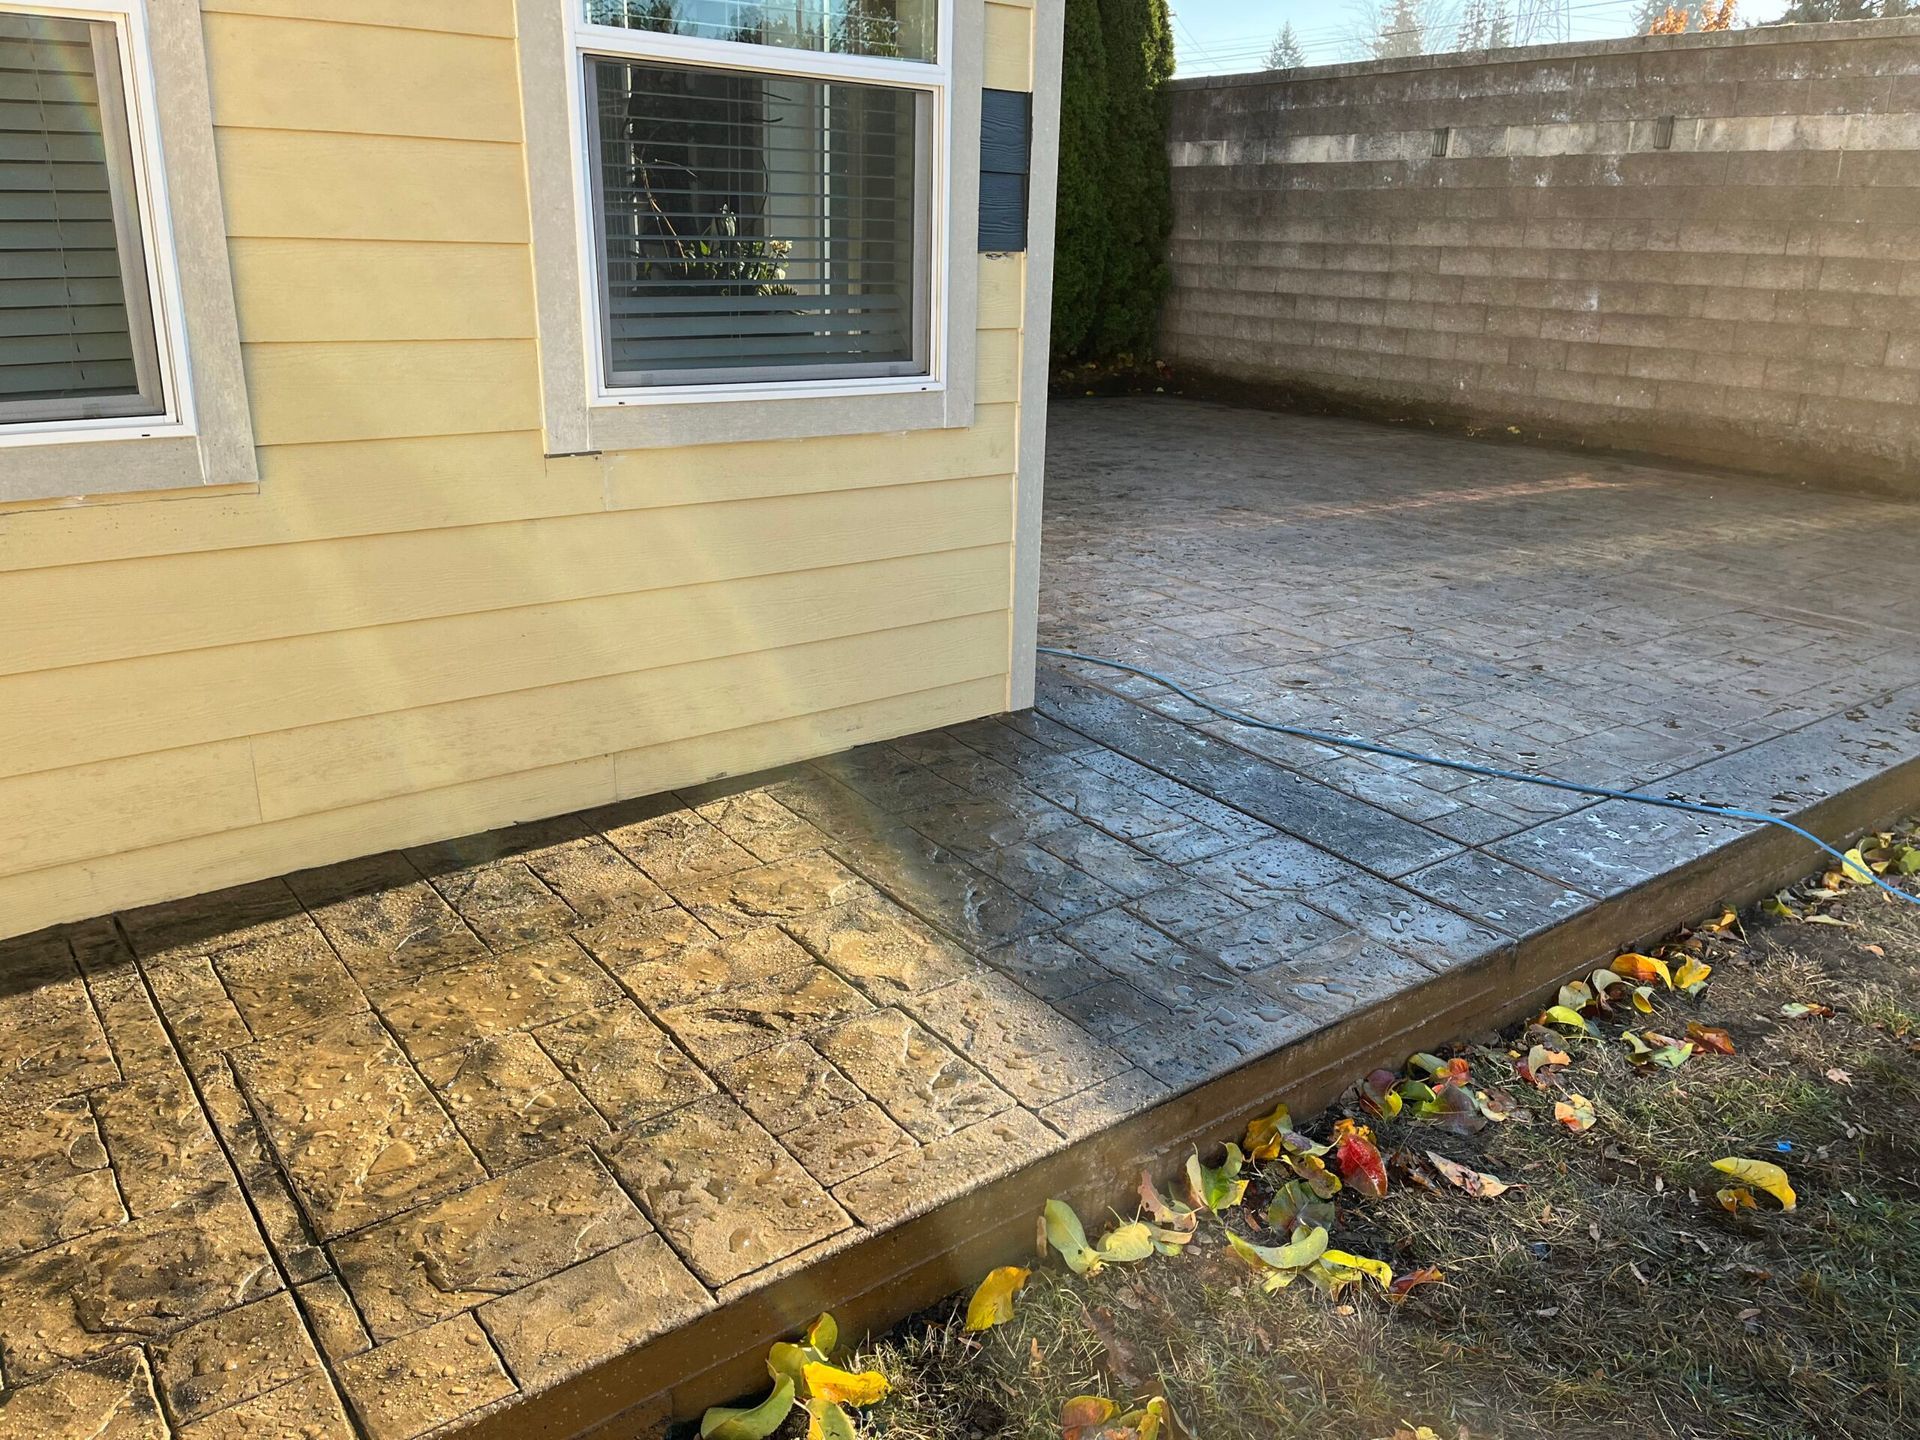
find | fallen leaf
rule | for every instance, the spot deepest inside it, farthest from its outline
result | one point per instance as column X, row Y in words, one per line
column 1169, row 1213
column 754, row 1422
column 1377, row 1093
column 1777, row 906
column 1710, row 1037
column 1691, row 976
column 1539, row 1057
column 1217, row 1187
column 1477, row 1183
column 1313, row 1170
column 827, row 1421
column 1763, row 1173
column 992, row 1303
column 1336, row 1269
column 1735, row 1199
column 1561, row 1015
column 1454, row 1108
column 1795, row 1009
column 1125, row 1244
column 823, row 1335
column 1839, row 1076
column 1576, row 995
column 844, row 1387
column 1575, row 1112
column 1496, row 1104
column 1724, row 922
column 1065, row 1234
column 1281, row 1264
column 1294, row 1205
column 1426, row 1275
column 790, row 1360
column 1642, row 969
column 1263, row 1134
column 1359, row 1159
column 1082, row 1413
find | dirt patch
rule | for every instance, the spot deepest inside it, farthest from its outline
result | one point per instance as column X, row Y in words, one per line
column 1607, row 1294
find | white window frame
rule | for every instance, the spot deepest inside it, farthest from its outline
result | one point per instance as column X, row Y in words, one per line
column 203, row 434
column 929, row 78
column 584, row 413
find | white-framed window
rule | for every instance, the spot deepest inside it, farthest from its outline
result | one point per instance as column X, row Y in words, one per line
column 90, row 341
column 120, row 365
column 765, row 196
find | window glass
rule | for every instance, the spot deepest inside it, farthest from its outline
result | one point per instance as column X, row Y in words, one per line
column 895, row 29
column 76, row 331
column 757, row 226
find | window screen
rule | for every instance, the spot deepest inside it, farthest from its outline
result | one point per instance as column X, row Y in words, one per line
column 76, row 330
column 890, row 29
column 757, row 227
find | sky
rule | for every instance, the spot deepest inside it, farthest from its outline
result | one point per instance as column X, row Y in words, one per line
column 1219, row 36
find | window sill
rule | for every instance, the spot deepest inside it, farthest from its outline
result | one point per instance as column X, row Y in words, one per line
column 777, row 413
column 79, row 469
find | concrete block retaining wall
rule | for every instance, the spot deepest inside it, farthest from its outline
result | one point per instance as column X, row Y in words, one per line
column 1703, row 247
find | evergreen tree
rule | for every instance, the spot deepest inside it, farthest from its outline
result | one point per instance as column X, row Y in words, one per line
column 1138, row 186
column 1403, row 32
column 1286, row 52
column 1081, row 237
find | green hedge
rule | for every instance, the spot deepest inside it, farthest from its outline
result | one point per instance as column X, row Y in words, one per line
column 1116, row 205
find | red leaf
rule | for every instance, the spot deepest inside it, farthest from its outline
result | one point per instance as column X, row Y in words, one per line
column 1359, row 1159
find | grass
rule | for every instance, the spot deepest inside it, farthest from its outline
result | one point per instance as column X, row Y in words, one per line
column 1609, row 1295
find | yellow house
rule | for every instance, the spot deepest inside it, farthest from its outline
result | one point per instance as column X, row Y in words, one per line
column 422, row 415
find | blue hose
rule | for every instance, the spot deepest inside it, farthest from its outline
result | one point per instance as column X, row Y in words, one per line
column 1345, row 742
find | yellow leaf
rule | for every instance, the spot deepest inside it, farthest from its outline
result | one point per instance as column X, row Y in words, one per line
column 1562, row 1015
column 749, row 1423
column 1735, row 1199
column 1641, row 969
column 1768, row 1176
column 1126, row 1243
column 1720, row 924
column 789, row 1361
column 1144, row 1423
column 1065, row 1233
column 1643, row 999
column 1381, row 1272
column 843, row 1387
column 1691, row 975
column 827, row 1421
column 992, row 1303
column 1857, row 868
column 823, row 1335
column 1263, row 1133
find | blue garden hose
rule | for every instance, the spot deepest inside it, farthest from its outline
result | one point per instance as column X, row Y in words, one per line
column 1370, row 747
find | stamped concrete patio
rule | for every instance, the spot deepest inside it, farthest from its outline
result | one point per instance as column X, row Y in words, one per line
column 590, row 1109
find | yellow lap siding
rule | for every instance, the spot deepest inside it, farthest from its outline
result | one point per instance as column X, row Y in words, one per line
column 81, row 713
column 1002, row 282
column 208, row 862
column 704, row 473
column 303, row 291
column 61, row 815
column 304, row 394
column 1009, row 46
column 359, row 79
column 151, row 606
column 371, row 187
column 320, row 492
column 464, row 17
column 355, row 761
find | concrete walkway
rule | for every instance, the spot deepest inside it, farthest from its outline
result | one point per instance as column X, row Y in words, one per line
column 591, row 1109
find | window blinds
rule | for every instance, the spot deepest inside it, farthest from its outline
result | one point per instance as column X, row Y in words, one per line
column 76, row 333
column 757, row 226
